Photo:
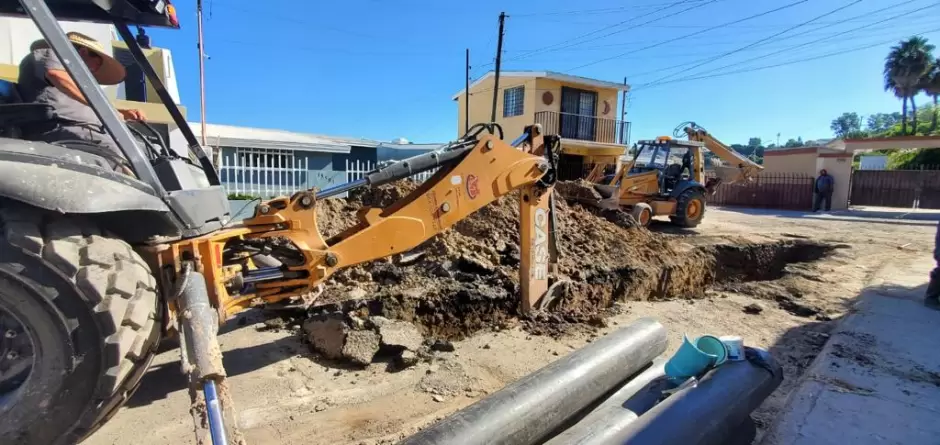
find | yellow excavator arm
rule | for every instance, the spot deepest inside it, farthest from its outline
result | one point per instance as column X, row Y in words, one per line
column 736, row 166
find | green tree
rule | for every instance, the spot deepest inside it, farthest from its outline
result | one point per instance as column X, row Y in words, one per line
column 798, row 142
column 904, row 70
column 931, row 86
column 882, row 122
column 846, row 124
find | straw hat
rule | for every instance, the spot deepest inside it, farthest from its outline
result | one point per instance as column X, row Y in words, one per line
column 111, row 71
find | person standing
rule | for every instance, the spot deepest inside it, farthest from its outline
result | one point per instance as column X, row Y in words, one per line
column 822, row 190
column 932, row 296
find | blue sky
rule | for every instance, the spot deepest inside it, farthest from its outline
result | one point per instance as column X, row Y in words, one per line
column 387, row 69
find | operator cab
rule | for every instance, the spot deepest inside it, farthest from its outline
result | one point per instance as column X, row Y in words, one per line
column 193, row 200
column 672, row 160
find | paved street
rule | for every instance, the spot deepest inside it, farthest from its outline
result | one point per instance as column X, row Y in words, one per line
column 877, row 379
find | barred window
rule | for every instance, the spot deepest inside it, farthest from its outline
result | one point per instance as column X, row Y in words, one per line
column 512, row 101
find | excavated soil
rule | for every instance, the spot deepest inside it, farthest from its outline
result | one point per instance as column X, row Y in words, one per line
column 466, row 279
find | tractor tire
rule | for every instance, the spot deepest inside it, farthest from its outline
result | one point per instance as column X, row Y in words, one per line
column 642, row 213
column 690, row 208
column 79, row 325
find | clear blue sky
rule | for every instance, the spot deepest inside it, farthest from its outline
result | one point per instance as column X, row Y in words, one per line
column 386, row 69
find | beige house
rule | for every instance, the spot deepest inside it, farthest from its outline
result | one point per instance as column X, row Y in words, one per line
column 582, row 111
column 809, row 161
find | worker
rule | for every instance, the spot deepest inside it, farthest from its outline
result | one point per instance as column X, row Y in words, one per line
column 43, row 79
column 932, row 296
column 823, row 190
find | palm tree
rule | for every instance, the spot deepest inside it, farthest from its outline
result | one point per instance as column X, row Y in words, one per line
column 931, row 86
column 904, row 70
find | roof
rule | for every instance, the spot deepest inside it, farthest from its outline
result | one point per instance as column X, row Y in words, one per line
column 567, row 78
column 232, row 136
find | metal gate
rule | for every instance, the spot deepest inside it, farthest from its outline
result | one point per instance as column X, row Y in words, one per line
column 914, row 189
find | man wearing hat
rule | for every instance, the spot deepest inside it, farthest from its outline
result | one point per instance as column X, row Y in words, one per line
column 43, row 79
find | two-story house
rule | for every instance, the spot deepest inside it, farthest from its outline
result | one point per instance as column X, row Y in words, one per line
column 582, row 111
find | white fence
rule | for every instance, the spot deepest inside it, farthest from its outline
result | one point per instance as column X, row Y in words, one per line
column 356, row 170
column 263, row 172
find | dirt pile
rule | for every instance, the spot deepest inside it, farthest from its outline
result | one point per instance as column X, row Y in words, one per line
column 466, row 279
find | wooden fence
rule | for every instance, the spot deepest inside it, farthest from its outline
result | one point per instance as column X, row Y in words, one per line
column 786, row 191
column 914, row 189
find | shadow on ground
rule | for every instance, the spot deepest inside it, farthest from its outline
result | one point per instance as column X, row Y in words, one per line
column 798, row 350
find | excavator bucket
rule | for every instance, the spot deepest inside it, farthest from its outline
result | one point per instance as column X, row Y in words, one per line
column 730, row 175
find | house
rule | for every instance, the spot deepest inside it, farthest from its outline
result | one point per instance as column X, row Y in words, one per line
column 582, row 111
column 808, row 161
column 268, row 162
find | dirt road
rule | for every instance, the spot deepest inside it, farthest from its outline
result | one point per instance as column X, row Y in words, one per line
column 287, row 394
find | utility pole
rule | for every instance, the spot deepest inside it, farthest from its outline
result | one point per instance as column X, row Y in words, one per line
column 466, row 96
column 499, row 57
column 202, row 73
column 624, row 131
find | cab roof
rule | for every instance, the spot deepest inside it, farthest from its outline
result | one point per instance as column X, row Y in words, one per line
column 153, row 13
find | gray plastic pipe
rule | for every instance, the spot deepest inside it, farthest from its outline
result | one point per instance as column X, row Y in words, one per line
column 620, row 409
column 708, row 413
column 528, row 410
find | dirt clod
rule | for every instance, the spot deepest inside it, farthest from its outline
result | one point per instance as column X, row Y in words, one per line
column 753, row 309
column 361, row 346
column 400, row 334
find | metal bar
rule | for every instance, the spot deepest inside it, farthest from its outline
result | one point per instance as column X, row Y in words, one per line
column 519, row 140
column 171, row 107
column 214, row 410
column 41, row 15
column 529, row 410
column 342, row 188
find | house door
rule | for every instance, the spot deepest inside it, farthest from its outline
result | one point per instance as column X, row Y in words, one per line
column 578, row 108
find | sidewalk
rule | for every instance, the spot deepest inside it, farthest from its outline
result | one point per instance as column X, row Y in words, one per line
column 877, row 380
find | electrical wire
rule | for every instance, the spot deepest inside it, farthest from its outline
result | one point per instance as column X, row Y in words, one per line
column 595, row 11
column 562, row 43
column 759, row 42
column 790, row 5
column 776, row 65
column 859, row 28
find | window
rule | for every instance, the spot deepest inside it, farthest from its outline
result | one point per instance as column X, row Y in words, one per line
column 512, row 101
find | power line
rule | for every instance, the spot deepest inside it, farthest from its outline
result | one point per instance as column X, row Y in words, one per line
column 776, row 65
column 692, row 34
column 758, row 42
column 903, row 14
column 562, row 43
column 594, row 11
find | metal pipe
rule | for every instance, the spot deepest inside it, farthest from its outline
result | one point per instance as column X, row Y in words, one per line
column 522, row 137
column 214, row 410
column 341, row 188
column 529, row 410
column 200, row 323
column 620, row 409
column 267, row 273
column 721, row 401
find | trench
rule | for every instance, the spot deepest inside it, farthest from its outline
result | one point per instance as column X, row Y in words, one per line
column 469, row 297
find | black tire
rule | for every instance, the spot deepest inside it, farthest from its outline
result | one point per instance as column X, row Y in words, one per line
column 690, row 208
column 89, row 305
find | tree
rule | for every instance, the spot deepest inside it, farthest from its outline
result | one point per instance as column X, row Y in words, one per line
column 904, row 70
column 931, row 86
column 882, row 122
column 798, row 142
column 846, row 124
column 753, row 143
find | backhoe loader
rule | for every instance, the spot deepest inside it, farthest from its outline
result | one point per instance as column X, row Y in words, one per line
column 667, row 177
column 97, row 266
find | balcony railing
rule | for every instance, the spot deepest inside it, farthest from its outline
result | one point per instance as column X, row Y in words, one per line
column 584, row 127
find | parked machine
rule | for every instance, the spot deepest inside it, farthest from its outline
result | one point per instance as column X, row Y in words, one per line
column 667, row 177
column 96, row 266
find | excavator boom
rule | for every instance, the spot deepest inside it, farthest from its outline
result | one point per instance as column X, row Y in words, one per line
column 739, row 168
column 472, row 173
